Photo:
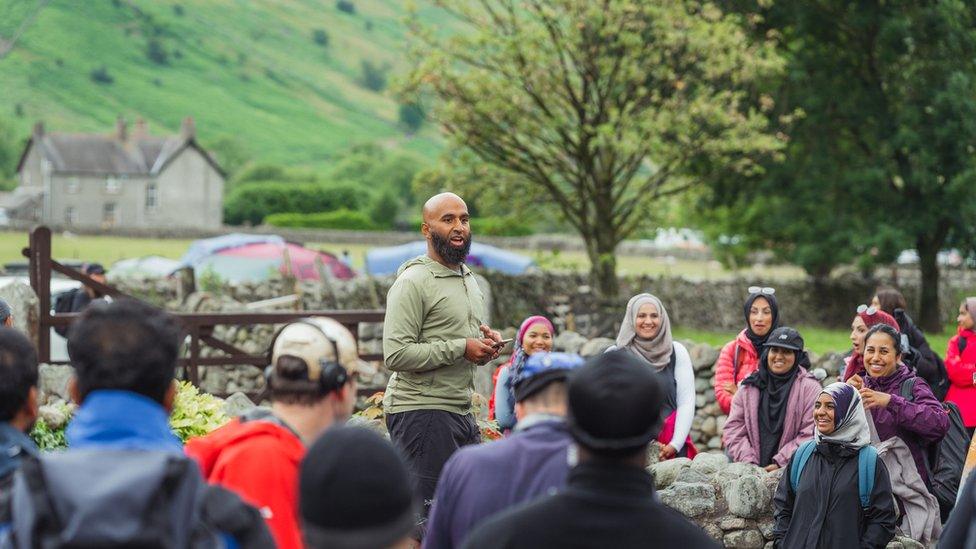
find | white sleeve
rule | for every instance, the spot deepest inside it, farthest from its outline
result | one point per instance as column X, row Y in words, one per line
column 684, row 376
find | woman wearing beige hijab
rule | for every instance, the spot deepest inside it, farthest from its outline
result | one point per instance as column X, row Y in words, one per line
column 646, row 332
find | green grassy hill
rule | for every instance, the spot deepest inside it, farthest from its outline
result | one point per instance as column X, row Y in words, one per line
column 249, row 71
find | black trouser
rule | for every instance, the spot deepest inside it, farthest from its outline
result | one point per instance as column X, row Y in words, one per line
column 427, row 438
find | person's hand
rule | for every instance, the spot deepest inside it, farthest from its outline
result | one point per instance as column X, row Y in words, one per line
column 771, row 467
column 493, row 335
column 667, row 452
column 730, row 387
column 479, row 351
column 874, row 399
column 856, row 382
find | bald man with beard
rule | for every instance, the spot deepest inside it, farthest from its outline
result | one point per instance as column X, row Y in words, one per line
column 434, row 337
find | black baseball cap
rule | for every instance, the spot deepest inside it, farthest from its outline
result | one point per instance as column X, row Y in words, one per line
column 94, row 269
column 785, row 337
column 615, row 402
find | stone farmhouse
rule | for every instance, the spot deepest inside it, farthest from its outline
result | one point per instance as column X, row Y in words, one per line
column 128, row 179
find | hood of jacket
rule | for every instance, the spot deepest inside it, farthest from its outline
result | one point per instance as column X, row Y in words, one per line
column 434, row 267
column 206, row 450
column 745, row 346
column 121, row 420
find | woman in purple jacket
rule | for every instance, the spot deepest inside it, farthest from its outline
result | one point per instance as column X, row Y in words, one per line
column 770, row 413
column 919, row 421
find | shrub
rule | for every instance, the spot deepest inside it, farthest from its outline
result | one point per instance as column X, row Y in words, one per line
column 320, row 37
column 500, row 226
column 194, row 413
column 156, row 52
column 412, row 116
column 252, row 202
column 346, row 6
column 383, row 211
column 374, row 77
column 100, row 75
column 262, row 172
column 340, row 219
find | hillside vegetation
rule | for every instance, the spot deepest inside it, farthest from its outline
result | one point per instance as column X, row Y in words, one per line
column 290, row 82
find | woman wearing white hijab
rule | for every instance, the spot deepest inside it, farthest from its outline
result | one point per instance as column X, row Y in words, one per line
column 821, row 501
column 646, row 332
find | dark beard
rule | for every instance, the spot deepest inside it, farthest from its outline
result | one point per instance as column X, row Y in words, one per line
column 450, row 254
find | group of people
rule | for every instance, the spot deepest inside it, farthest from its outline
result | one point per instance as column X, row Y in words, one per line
column 571, row 470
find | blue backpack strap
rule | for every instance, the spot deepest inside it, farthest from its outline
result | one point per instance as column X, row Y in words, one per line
column 867, row 462
column 800, row 461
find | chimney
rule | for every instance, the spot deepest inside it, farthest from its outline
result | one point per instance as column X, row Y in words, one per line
column 140, row 130
column 188, row 129
column 38, row 130
column 121, row 131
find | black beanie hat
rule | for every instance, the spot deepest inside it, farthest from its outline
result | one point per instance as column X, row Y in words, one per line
column 354, row 492
column 615, row 402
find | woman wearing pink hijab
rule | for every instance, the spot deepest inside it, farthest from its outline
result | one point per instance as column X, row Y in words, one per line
column 534, row 335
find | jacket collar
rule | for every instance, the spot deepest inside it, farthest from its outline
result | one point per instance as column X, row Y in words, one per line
column 14, row 444
column 440, row 271
column 890, row 383
column 121, row 420
column 540, row 420
column 615, row 480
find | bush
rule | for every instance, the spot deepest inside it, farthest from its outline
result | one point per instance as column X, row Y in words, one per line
column 374, row 77
column 383, row 211
column 340, row 219
column 100, row 75
column 346, row 6
column 412, row 116
column 194, row 413
column 252, row 202
column 320, row 37
column 500, row 226
column 156, row 52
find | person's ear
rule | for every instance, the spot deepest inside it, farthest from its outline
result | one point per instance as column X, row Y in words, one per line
column 73, row 390
column 169, row 399
column 425, row 229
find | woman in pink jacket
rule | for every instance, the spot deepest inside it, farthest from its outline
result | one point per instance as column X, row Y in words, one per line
column 960, row 364
column 770, row 414
column 740, row 357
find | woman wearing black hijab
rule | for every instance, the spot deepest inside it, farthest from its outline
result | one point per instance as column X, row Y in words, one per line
column 770, row 415
column 740, row 357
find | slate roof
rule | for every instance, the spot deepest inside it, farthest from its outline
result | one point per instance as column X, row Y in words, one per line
column 108, row 155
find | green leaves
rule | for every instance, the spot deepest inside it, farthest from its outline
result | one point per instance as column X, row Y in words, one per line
column 194, row 413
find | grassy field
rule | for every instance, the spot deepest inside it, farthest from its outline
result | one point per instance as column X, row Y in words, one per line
column 248, row 71
column 818, row 340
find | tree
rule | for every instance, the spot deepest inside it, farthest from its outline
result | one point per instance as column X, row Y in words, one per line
column 412, row 116
column 320, row 37
column 607, row 106
column 374, row 76
column 885, row 147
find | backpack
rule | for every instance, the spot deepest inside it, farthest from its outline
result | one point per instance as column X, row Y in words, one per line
column 125, row 498
column 867, row 462
column 945, row 459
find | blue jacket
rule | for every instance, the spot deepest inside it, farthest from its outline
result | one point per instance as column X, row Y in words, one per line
column 121, row 420
column 13, row 445
column 480, row 481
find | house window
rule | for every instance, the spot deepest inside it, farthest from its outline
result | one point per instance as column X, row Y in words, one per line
column 73, row 185
column 112, row 185
column 69, row 216
column 110, row 214
column 152, row 196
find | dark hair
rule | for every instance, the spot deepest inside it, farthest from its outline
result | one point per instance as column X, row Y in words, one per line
column 891, row 299
column 18, row 371
column 289, row 383
column 888, row 331
column 125, row 345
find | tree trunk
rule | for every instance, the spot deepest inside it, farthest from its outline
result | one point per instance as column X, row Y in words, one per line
column 928, row 308
column 601, row 250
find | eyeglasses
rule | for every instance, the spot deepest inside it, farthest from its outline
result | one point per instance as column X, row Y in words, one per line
column 864, row 309
column 761, row 290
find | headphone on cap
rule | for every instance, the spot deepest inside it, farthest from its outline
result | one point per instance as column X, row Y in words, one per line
column 332, row 375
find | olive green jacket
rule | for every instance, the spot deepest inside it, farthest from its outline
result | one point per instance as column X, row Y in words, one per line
column 430, row 312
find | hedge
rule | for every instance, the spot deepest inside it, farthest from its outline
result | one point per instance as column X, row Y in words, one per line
column 339, row 219
column 252, row 202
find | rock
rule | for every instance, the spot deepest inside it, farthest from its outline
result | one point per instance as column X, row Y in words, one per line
column 237, row 404
column 53, row 381
column 702, row 385
column 715, row 443
column 665, row 472
column 766, row 526
column 713, row 531
column 703, row 357
column 736, row 470
column 769, row 545
column 23, row 307
column 372, row 424
column 819, row 373
column 733, row 523
column 744, row 539
column 905, row 542
column 700, row 401
column 747, row 497
column 691, row 476
column 568, row 342
column 690, row 500
column 720, row 423
column 596, row 346
column 709, row 463
column 709, row 427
